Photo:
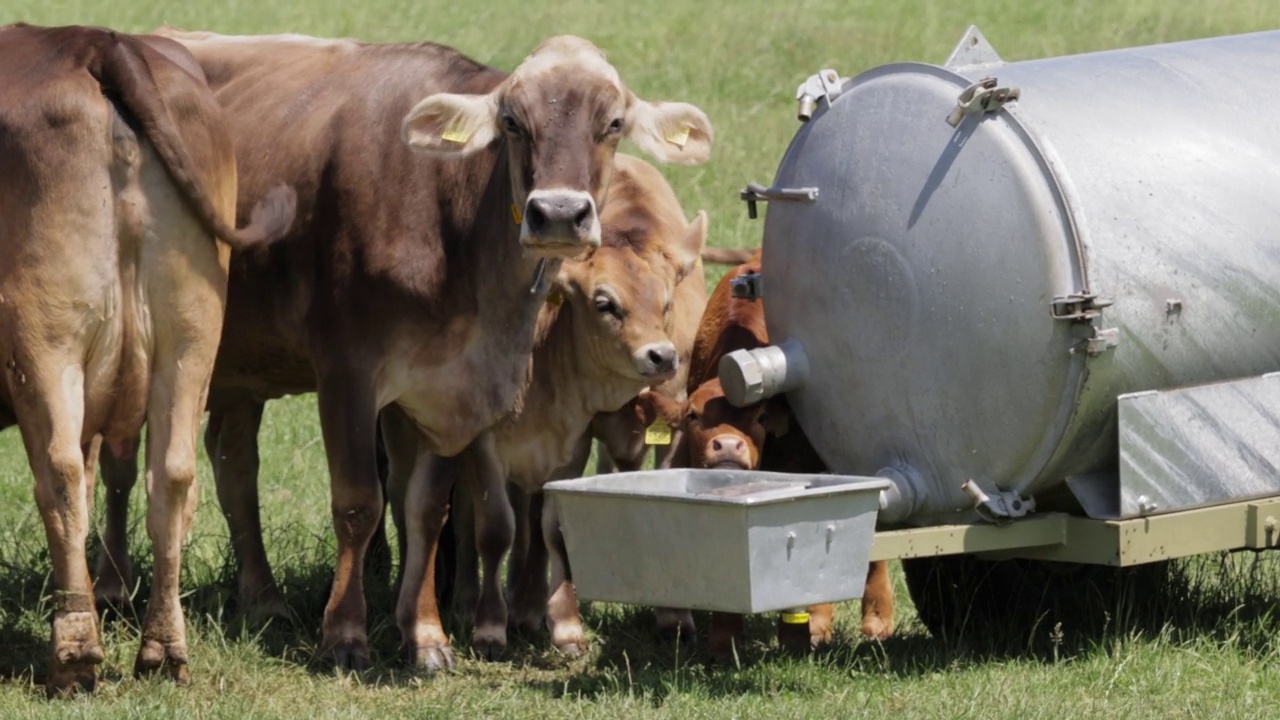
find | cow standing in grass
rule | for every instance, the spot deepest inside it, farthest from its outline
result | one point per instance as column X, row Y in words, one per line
column 437, row 198
column 118, row 178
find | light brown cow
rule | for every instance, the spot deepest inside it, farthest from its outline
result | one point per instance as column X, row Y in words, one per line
column 760, row 436
column 118, row 176
column 598, row 348
column 413, row 280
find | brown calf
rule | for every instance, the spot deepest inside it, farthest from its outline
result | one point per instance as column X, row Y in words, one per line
column 761, row 436
column 605, row 342
column 118, row 176
column 437, row 199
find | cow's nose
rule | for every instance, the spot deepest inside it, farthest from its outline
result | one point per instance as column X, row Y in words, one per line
column 727, row 450
column 560, row 220
column 656, row 359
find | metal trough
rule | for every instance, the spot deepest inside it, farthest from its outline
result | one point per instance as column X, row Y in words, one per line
column 726, row 540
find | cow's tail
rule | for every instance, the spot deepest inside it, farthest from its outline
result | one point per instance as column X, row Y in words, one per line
column 123, row 68
column 726, row 256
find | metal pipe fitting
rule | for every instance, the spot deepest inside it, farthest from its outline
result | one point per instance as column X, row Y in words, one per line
column 750, row 376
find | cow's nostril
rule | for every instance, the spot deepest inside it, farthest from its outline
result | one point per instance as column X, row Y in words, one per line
column 583, row 219
column 535, row 215
column 656, row 358
column 716, row 445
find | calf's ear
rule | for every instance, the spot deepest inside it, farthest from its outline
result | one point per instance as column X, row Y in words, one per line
column 450, row 124
column 689, row 246
column 653, row 405
column 671, row 132
column 775, row 416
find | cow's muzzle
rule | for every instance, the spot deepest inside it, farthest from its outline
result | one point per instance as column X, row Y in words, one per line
column 560, row 223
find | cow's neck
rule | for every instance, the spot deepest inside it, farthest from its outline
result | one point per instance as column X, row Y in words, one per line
column 567, row 391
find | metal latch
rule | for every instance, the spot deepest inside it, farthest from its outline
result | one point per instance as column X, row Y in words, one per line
column 747, row 286
column 826, row 84
column 981, row 97
column 1078, row 306
column 755, row 192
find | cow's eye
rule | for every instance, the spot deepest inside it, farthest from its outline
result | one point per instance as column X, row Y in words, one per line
column 605, row 304
column 615, row 127
column 509, row 123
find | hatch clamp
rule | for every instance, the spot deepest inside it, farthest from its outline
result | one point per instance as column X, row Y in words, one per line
column 1078, row 306
column 983, row 96
column 825, row 84
column 755, row 192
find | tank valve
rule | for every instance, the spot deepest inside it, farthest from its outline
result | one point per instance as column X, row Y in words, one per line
column 1000, row 509
column 825, row 84
column 749, row 376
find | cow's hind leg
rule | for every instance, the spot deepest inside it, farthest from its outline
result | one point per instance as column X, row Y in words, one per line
column 231, row 439
column 114, row 583
column 51, row 414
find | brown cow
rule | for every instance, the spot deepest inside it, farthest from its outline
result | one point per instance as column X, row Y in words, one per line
column 760, row 436
column 605, row 343
column 119, row 174
column 413, row 279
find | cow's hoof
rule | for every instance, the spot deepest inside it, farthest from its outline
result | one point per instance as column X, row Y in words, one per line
column 875, row 627
column 263, row 602
column 68, row 679
column 429, row 658
column 527, row 625
column 571, row 642
column 348, row 654
column 489, row 643
column 156, row 657
column 674, row 625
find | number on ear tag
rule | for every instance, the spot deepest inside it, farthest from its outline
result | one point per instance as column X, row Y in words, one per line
column 659, row 433
column 456, row 134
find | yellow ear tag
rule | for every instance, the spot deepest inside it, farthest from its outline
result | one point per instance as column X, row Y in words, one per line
column 555, row 298
column 679, row 137
column 659, row 433
column 515, row 213
column 456, row 134
column 698, row 263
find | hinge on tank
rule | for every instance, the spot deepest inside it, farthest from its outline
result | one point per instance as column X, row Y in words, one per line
column 747, row 286
column 1078, row 306
column 755, row 193
column 983, row 96
column 826, row 84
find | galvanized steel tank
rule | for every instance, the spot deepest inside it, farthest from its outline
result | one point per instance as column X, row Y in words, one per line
column 972, row 299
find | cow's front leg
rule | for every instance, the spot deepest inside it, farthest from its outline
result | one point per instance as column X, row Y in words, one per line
column 877, row 602
column 115, row 569
column 424, row 509
column 495, row 529
column 567, row 634
column 347, row 418
column 527, row 566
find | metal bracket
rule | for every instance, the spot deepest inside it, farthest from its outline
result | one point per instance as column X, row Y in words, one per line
column 748, row 286
column 1078, row 306
column 1002, row 508
column 981, row 97
column 754, row 193
column 826, row 84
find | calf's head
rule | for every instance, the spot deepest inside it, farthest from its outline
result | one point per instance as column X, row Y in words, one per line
column 718, row 434
column 560, row 114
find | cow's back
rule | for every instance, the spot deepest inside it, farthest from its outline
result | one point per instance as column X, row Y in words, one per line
column 728, row 324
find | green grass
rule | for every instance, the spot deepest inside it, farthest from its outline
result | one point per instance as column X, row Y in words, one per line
column 1206, row 649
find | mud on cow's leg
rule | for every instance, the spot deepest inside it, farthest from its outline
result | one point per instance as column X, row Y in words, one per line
column 347, row 419
column 425, row 508
column 115, row 569
column 231, row 439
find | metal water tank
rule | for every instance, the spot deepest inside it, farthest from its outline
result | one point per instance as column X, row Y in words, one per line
column 975, row 259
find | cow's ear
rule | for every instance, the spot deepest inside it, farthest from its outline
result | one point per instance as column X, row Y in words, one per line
column 689, row 247
column 671, row 132
column 449, row 124
column 652, row 405
column 775, row 416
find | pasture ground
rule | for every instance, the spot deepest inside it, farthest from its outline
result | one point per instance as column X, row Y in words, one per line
column 1206, row 648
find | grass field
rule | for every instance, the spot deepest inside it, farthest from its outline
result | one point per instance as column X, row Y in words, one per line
column 1208, row 650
